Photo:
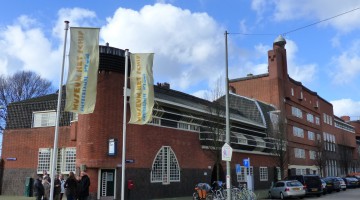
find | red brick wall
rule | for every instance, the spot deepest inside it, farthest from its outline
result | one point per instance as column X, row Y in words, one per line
column 24, row 144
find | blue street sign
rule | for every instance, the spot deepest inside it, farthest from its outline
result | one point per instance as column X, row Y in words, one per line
column 238, row 168
column 246, row 162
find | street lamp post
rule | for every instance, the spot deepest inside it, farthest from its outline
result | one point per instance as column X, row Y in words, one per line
column 227, row 138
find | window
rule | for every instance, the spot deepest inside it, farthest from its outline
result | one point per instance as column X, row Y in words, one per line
column 44, row 119
column 155, row 121
column 311, row 135
column 312, row 155
column 298, row 132
column 317, row 120
column 44, row 160
column 69, row 160
column 296, row 112
column 299, row 153
column 241, row 177
column 278, row 172
column 263, row 173
column 66, row 159
column 310, row 117
column 292, row 91
column 165, row 168
column 318, row 136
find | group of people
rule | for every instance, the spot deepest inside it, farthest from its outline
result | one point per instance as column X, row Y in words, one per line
column 74, row 187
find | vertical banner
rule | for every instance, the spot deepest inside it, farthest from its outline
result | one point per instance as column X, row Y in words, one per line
column 83, row 70
column 142, row 87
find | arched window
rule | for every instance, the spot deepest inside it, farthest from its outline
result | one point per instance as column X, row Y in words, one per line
column 165, row 168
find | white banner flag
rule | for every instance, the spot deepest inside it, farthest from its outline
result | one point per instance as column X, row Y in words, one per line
column 142, row 87
column 83, row 70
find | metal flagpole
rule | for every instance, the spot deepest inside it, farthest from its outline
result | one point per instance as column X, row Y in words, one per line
column 227, row 138
column 124, row 126
column 54, row 158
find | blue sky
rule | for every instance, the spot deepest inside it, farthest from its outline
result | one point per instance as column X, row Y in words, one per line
column 187, row 38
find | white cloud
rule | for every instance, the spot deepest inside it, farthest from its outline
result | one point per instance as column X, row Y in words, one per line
column 346, row 65
column 186, row 45
column 346, row 107
column 24, row 44
column 314, row 10
column 301, row 72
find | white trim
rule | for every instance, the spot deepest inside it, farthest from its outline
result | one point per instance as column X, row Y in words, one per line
column 205, row 112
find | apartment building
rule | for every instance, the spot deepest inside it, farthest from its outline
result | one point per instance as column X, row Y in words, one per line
column 312, row 130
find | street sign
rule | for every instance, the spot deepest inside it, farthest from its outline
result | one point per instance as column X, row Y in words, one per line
column 246, row 162
column 226, row 152
column 238, row 168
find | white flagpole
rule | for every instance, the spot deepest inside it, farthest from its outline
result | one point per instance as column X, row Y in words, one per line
column 124, row 126
column 54, row 158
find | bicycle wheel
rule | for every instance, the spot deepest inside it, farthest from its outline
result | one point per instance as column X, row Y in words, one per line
column 209, row 196
column 195, row 196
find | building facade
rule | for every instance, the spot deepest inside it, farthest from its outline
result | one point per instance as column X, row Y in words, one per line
column 318, row 142
column 164, row 158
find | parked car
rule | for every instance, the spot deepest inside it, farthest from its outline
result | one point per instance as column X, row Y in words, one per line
column 323, row 183
column 312, row 183
column 351, row 182
column 287, row 189
column 342, row 183
column 332, row 184
column 357, row 178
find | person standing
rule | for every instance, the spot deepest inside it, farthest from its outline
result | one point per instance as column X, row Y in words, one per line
column 57, row 188
column 38, row 188
column 84, row 186
column 61, row 177
column 70, row 186
column 47, row 187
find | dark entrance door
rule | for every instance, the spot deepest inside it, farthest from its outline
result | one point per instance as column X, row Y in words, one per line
column 107, row 182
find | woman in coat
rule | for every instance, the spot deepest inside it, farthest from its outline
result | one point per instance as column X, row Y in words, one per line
column 70, row 186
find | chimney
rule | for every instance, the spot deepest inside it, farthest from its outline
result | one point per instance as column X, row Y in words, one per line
column 279, row 42
column 345, row 118
column 164, row 85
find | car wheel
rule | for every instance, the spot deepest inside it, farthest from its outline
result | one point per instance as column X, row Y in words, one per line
column 269, row 195
column 281, row 195
column 344, row 189
column 318, row 195
column 338, row 190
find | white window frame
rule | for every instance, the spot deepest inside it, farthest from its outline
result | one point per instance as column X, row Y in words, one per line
column 44, row 160
column 292, row 91
column 296, row 112
column 298, row 132
column 44, row 118
column 310, row 117
column 299, row 153
column 317, row 120
column 165, row 168
column 312, row 155
column 241, row 177
column 311, row 135
column 66, row 160
column 264, row 174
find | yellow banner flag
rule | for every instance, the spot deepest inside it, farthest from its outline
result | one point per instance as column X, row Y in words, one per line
column 83, row 70
column 142, row 87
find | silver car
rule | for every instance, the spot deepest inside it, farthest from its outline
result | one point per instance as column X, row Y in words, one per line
column 286, row 189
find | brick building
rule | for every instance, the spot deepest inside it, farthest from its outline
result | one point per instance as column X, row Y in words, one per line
column 166, row 157
column 311, row 126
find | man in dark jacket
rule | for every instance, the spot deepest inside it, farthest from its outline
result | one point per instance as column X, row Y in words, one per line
column 84, row 186
column 38, row 188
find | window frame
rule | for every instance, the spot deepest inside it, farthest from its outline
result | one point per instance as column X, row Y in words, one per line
column 45, row 118
column 163, row 166
column 263, row 173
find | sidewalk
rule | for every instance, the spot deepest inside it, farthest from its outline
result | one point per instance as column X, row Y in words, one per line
column 261, row 194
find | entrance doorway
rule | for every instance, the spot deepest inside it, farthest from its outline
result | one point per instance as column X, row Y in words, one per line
column 107, row 183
